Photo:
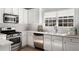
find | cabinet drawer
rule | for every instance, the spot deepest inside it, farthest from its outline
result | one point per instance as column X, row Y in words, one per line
column 56, row 38
column 3, row 37
column 47, row 36
column 74, row 40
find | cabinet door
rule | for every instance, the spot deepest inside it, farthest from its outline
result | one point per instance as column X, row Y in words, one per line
column 47, row 42
column 9, row 10
column 33, row 16
column 50, row 19
column 30, row 39
column 50, row 14
column 1, row 14
column 24, row 38
column 5, row 48
column 25, row 16
column 16, row 11
column 57, row 43
column 3, row 36
column 21, row 15
column 71, row 44
column 66, row 12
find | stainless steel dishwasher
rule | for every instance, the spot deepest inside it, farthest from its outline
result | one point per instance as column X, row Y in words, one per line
column 38, row 40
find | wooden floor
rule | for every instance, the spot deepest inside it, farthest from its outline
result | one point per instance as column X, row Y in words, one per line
column 30, row 49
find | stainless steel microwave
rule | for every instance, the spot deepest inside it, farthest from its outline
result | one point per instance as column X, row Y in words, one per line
column 10, row 18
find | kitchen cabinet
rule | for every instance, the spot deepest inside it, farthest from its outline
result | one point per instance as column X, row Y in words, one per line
column 47, row 42
column 50, row 14
column 33, row 16
column 24, row 38
column 66, row 12
column 50, row 18
column 1, row 14
column 5, row 48
column 65, row 17
column 21, row 15
column 16, row 11
column 9, row 10
column 71, row 44
column 3, row 36
column 5, row 45
column 30, row 39
column 25, row 16
column 57, row 43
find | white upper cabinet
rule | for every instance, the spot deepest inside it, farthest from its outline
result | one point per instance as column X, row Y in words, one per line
column 50, row 14
column 21, row 15
column 66, row 12
column 1, row 14
column 50, row 18
column 9, row 10
column 33, row 16
column 25, row 16
column 16, row 11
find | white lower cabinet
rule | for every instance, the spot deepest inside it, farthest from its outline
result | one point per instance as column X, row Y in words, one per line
column 30, row 39
column 71, row 44
column 24, row 38
column 53, row 43
column 47, row 42
column 5, row 47
column 57, row 43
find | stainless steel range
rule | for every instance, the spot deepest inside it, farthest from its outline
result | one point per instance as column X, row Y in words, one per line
column 15, row 37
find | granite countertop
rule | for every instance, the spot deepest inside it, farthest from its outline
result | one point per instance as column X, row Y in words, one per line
column 56, row 34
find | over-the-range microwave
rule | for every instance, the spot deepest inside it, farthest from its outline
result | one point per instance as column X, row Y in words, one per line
column 10, row 18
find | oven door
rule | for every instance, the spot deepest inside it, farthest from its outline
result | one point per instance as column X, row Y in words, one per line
column 15, row 40
column 16, row 43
